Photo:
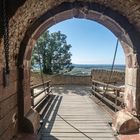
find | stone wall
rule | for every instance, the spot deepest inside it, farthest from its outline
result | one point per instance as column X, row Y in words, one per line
column 62, row 79
column 103, row 76
column 99, row 75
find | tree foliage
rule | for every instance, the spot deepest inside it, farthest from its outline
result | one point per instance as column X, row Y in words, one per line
column 53, row 52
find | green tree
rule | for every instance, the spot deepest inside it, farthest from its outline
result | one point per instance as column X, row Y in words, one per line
column 53, row 52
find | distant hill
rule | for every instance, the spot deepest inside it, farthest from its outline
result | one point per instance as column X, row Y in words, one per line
column 85, row 69
column 99, row 66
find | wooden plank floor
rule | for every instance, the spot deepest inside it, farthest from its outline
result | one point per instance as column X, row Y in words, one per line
column 74, row 116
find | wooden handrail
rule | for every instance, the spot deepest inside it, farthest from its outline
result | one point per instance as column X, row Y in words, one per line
column 40, row 92
column 41, row 95
column 111, row 95
column 108, row 101
column 109, row 85
column 39, row 85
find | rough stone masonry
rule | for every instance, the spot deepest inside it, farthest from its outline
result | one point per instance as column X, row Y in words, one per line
column 28, row 18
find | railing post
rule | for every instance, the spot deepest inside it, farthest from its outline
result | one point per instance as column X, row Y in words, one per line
column 32, row 97
column 116, row 98
column 92, row 85
column 95, row 85
column 34, row 101
column 48, row 87
column 103, row 87
column 112, row 99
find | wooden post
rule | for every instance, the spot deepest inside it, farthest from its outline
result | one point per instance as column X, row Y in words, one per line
column 95, row 85
column 117, row 92
column 32, row 97
column 48, row 87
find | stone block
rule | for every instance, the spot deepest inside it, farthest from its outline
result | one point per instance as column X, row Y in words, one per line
column 27, row 63
column 93, row 15
column 79, row 13
column 48, row 23
column 31, row 122
column 113, row 26
column 63, row 16
column 130, row 98
column 127, row 49
column 27, row 103
column 29, row 53
column 129, row 76
column 133, row 60
column 136, row 59
column 132, row 77
column 129, row 62
column 125, row 123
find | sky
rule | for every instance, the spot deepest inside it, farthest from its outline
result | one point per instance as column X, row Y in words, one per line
column 92, row 43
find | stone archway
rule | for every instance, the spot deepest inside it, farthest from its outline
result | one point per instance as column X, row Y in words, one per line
column 114, row 21
column 28, row 19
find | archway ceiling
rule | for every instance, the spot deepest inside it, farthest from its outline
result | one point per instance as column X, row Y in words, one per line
column 126, row 7
column 33, row 9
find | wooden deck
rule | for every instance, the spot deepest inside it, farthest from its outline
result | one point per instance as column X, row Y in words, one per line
column 74, row 116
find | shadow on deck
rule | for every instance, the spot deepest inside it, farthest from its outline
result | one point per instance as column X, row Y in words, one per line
column 72, row 115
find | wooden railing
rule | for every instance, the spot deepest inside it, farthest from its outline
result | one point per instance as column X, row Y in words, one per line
column 39, row 93
column 109, row 94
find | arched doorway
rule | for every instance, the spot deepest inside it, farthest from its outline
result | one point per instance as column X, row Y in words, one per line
column 113, row 20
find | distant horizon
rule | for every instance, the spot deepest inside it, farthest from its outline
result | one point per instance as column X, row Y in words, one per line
column 79, row 68
column 95, row 64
